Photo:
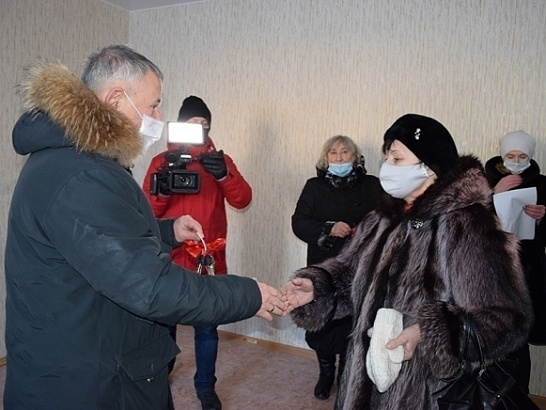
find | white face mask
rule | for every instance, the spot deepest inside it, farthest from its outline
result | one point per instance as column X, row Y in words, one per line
column 517, row 167
column 150, row 129
column 401, row 180
column 341, row 170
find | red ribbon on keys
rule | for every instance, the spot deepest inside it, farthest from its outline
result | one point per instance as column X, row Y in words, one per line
column 196, row 248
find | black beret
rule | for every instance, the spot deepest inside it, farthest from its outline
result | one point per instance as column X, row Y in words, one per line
column 429, row 140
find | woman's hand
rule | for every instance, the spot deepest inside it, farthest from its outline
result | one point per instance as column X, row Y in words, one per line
column 507, row 183
column 341, row 230
column 298, row 292
column 409, row 338
column 535, row 211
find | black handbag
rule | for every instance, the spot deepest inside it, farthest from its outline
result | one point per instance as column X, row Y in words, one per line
column 487, row 387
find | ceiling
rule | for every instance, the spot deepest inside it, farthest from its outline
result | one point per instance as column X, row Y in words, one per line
column 135, row 5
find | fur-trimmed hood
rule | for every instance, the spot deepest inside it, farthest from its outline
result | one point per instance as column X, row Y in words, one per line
column 88, row 123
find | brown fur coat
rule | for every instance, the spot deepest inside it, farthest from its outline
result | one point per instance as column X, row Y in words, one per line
column 444, row 256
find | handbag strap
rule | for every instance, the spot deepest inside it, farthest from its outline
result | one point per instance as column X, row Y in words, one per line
column 467, row 324
column 469, row 329
column 471, row 333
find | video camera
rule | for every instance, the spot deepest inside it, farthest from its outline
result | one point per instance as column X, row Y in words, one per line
column 173, row 177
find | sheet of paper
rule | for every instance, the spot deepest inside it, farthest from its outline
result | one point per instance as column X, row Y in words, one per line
column 509, row 208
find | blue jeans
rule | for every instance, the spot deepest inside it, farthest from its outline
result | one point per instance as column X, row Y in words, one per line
column 206, row 351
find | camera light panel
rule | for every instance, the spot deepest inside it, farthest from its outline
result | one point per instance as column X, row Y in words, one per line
column 185, row 133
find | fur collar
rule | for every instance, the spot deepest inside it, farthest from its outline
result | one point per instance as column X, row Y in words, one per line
column 89, row 124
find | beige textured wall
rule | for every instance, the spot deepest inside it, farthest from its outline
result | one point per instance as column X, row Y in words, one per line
column 54, row 30
column 281, row 76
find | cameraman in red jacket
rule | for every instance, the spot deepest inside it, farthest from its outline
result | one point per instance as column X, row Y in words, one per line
column 219, row 181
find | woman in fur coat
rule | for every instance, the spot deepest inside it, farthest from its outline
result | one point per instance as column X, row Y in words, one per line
column 430, row 252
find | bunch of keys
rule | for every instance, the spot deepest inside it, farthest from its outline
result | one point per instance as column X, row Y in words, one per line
column 205, row 260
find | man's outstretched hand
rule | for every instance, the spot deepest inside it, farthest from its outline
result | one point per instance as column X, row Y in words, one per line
column 272, row 302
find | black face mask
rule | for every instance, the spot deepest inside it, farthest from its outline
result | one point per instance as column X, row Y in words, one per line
column 206, row 133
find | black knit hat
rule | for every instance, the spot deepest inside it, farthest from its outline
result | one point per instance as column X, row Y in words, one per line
column 429, row 140
column 193, row 107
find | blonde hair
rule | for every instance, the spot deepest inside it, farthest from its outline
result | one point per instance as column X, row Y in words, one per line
column 348, row 143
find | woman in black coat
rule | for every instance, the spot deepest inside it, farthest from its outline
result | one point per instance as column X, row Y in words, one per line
column 329, row 207
column 515, row 169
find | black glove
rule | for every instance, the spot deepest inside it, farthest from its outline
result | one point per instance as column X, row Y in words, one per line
column 164, row 189
column 159, row 184
column 326, row 242
column 214, row 163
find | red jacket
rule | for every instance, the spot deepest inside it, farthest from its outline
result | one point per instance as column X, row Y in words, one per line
column 206, row 206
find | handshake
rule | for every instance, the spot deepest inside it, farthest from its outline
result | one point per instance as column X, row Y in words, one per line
column 278, row 302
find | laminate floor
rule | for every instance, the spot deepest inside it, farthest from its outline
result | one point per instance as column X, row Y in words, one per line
column 250, row 377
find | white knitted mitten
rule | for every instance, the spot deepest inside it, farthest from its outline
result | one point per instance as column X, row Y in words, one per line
column 382, row 364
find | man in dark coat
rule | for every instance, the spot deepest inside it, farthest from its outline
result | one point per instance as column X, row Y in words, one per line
column 90, row 285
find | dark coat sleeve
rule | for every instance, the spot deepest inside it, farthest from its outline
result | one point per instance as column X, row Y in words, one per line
column 305, row 223
column 540, row 233
column 167, row 232
column 113, row 241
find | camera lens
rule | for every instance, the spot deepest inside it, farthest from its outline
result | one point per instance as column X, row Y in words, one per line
column 184, row 180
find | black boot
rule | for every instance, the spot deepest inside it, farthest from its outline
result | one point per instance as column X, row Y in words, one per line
column 327, row 365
